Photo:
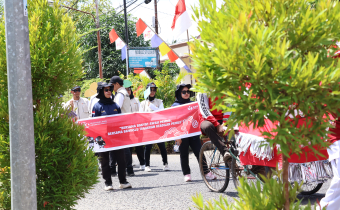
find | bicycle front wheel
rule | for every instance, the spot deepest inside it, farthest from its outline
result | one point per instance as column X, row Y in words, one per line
column 211, row 160
column 310, row 188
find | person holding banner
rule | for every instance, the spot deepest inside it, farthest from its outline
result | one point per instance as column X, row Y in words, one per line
column 152, row 104
column 122, row 99
column 182, row 94
column 105, row 107
column 135, row 105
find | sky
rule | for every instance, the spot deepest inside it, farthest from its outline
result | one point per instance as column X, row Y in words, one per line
column 166, row 13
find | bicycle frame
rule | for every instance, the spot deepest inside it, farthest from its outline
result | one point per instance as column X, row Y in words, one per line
column 245, row 168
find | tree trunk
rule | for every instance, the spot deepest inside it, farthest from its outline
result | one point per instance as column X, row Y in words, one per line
column 285, row 166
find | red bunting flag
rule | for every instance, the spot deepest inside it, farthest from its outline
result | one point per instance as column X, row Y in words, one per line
column 172, row 56
column 113, row 36
column 140, row 27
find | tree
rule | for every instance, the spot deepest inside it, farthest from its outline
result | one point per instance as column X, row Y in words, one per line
column 65, row 169
column 276, row 53
column 111, row 58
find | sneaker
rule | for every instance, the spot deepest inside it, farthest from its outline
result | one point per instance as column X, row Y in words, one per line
column 147, row 169
column 166, row 168
column 187, row 178
column 210, row 176
column 108, row 187
column 142, row 167
column 125, row 185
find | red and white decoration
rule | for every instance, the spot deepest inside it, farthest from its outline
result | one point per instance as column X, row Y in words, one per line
column 182, row 20
column 135, row 129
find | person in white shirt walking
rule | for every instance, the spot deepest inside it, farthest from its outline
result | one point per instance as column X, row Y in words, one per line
column 79, row 105
column 122, row 99
column 152, row 104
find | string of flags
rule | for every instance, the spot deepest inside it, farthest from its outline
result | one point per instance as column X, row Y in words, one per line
column 156, row 41
column 120, row 44
column 181, row 23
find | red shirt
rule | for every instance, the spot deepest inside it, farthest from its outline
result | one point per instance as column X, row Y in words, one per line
column 206, row 110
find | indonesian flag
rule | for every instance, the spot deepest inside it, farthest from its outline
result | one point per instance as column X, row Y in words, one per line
column 182, row 20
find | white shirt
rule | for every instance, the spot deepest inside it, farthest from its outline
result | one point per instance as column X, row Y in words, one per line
column 154, row 108
column 81, row 107
column 151, row 106
column 119, row 99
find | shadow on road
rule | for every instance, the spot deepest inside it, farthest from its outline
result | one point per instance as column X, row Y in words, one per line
column 146, row 175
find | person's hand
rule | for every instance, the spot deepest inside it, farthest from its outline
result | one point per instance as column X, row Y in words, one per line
column 71, row 104
column 220, row 130
column 149, row 103
column 179, row 142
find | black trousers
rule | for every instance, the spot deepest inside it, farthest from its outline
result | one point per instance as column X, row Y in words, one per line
column 195, row 144
column 163, row 153
column 105, row 162
column 210, row 130
column 128, row 161
column 140, row 155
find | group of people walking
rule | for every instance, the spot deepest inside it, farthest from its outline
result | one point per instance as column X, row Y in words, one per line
column 113, row 98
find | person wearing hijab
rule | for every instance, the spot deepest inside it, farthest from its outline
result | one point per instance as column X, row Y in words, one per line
column 152, row 104
column 182, row 94
column 104, row 107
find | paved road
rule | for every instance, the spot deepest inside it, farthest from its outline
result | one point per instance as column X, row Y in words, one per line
column 160, row 189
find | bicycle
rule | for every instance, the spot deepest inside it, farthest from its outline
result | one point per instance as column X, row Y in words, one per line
column 214, row 161
column 215, row 164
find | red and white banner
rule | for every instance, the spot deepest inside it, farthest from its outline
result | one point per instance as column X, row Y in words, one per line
column 135, row 129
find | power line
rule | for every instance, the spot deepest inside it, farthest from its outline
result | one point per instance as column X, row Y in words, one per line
column 134, row 1
column 158, row 11
column 136, row 6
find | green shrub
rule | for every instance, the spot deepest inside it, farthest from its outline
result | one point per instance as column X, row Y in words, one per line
column 255, row 196
column 65, row 169
column 280, row 48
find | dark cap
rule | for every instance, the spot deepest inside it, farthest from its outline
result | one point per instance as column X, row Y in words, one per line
column 181, row 86
column 115, row 79
column 151, row 85
column 75, row 88
column 102, row 85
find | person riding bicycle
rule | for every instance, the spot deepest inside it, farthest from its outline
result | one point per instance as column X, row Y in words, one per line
column 211, row 123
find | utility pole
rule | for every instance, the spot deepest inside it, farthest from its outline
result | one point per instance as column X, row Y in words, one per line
column 99, row 43
column 126, row 40
column 156, row 18
column 21, row 124
column 156, row 29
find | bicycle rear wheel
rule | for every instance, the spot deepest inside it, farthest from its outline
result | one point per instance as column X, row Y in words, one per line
column 213, row 159
column 237, row 171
